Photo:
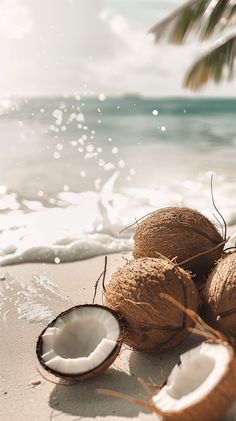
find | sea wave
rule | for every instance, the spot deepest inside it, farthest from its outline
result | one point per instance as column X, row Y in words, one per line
column 92, row 223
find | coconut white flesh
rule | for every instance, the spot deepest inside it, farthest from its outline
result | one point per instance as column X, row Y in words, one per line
column 200, row 370
column 80, row 340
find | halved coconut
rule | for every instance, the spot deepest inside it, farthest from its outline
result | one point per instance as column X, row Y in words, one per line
column 81, row 342
column 201, row 387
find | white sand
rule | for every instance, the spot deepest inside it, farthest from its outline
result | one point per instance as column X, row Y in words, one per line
column 24, row 394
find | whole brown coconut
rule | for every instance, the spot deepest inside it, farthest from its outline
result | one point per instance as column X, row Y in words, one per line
column 219, row 296
column 183, row 233
column 152, row 323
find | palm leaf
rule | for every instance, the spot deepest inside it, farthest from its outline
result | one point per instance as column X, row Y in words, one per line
column 212, row 65
column 222, row 15
column 204, row 17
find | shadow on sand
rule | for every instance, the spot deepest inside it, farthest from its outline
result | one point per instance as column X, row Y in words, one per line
column 82, row 399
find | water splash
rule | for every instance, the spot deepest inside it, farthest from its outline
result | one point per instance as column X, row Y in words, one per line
column 32, row 303
column 87, row 224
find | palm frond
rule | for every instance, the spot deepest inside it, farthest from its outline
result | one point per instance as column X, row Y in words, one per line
column 212, row 65
column 204, row 17
column 229, row 18
column 180, row 21
column 222, row 14
column 215, row 17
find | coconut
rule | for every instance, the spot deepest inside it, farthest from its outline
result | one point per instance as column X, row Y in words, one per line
column 219, row 296
column 151, row 322
column 201, row 387
column 182, row 233
column 81, row 342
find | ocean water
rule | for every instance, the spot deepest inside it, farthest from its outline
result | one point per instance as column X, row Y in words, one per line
column 75, row 171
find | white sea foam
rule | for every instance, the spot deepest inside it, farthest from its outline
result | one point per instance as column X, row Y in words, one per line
column 88, row 224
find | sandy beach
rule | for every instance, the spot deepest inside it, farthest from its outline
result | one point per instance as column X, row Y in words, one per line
column 24, row 394
column 103, row 121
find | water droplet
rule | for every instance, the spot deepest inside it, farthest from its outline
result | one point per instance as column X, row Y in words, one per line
column 101, row 162
column 108, row 166
column 56, row 155
column 121, row 163
column 102, row 97
column 74, row 143
column 90, row 148
column 80, row 117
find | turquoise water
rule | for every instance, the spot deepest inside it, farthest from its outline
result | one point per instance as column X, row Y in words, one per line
column 76, row 170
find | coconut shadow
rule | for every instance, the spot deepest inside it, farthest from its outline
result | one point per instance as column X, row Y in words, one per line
column 155, row 367
column 82, row 400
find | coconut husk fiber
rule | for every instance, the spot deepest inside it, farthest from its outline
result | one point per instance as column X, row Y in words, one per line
column 151, row 322
column 182, row 233
column 219, row 296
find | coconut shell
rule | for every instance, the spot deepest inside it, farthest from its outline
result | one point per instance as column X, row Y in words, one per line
column 182, row 233
column 152, row 323
column 219, row 296
column 97, row 370
column 216, row 403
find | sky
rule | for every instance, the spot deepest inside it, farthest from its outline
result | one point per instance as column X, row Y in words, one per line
column 54, row 47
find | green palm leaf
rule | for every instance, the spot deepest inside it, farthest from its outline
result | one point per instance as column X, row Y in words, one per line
column 222, row 15
column 212, row 65
column 204, row 17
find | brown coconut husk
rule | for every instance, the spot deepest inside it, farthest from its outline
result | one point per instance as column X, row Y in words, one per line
column 183, row 233
column 219, row 296
column 151, row 323
column 97, row 370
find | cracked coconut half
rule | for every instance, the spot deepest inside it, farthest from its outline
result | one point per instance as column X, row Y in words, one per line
column 201, row 387
column 81, row 342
